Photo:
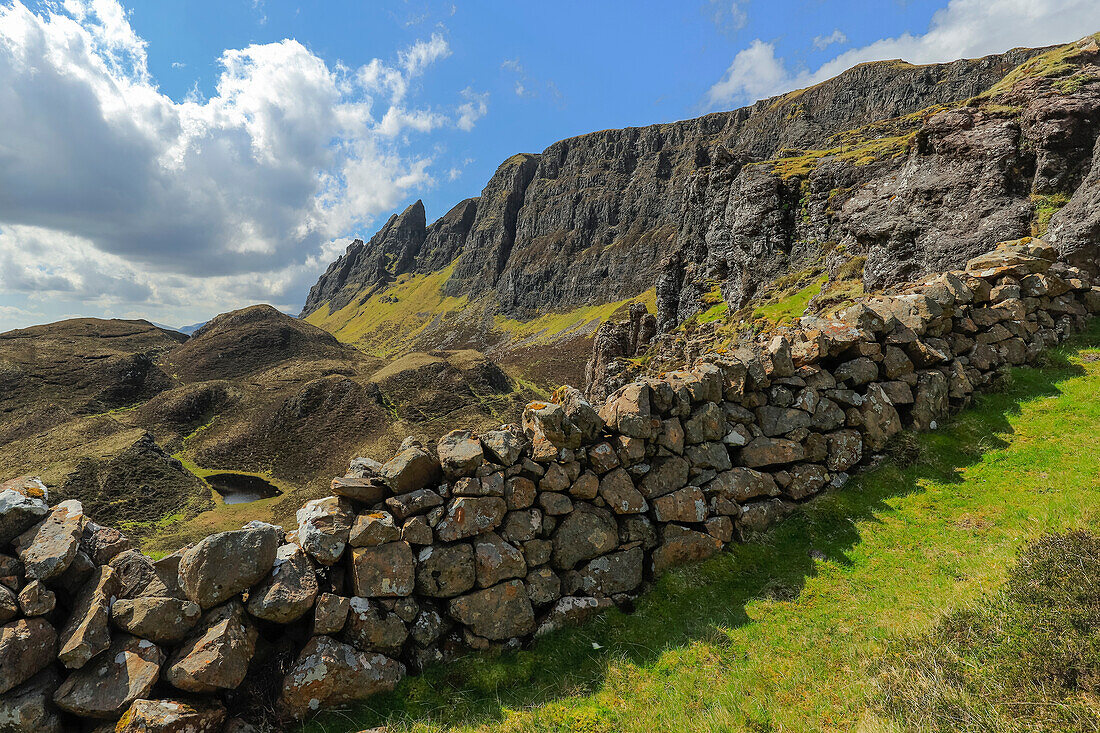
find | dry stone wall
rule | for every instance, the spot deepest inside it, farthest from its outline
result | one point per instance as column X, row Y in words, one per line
column 487, row 541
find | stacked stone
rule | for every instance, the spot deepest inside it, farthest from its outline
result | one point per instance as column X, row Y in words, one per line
column 485, row 541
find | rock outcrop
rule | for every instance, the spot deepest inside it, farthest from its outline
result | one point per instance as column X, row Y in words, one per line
column 914, row 168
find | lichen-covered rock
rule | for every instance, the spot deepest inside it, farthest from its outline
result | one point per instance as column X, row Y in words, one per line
column 224, row 564
column 9, row 604
column 86, row 633
column 27, row 647
column 108, row 685
column 412, row 503
column 217, row 655
column 164, row 620
column 290, row 588
column 627, row 411
column 101, row 543
column 572, row 611
column 469, row 516
column 880, row 419
column 741, row 484
column 680, row 545
column 383, row 570
column 323, row 527
column 586, row 533
column 771, row 452
column 460, row 453
column 329, row 673
column 686, row 505
column 29, row 707
column 618, row 572
column 930, row 405
column 777, row 421
column 47, row 548
column 543, row 586
column 172, row 716
column 806, row 479
column 548, row 429
column 330, row 613
column 496, row 560
column 363, row 490
column 667, row 475
column 845, row 449
column 372, row 628
column 501, row 612
column 617, row 489
column 503, row 446
column 137, row 575
column 373, row 528
column 411, row 469
column 445, row 571
column 22, row 505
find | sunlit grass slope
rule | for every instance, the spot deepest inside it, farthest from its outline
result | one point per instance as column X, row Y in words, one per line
column 786, row 633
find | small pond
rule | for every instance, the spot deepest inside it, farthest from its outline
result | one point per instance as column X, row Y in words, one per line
column 240, row 488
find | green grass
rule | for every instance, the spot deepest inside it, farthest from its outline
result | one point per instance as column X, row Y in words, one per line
column 1045, row 208
column 792, row 305
column 1026, row 658
column 766, row 638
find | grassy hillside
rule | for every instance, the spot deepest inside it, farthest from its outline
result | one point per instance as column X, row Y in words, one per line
column 790, row 633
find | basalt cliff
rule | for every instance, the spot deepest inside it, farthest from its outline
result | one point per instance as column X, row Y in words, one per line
column 882, row 174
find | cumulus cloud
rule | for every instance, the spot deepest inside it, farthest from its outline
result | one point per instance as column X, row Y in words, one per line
column 823, row 42
column 473, row 109
column 120, row 199
column 963, row 29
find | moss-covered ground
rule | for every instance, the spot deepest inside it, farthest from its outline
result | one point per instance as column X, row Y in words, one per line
column 789, row 632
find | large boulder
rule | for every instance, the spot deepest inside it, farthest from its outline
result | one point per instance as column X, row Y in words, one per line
column 628, row 411
column 501, row 612
column 586, row 533
column 86, row 634
column 460, row 453
column 323, row 528
column 372, row 628
column 172, row 716
column 22, row 505
column 383, row 570
column 680, row 545
column 445, row 571
column 503, row 446
column 216, row 657
column 411, row 469
column 290, row 589
column 619, row 572
column 617, row 489
column 29, row 707
column 496, row 560
column 164, row 620
column 329, row 673
column 469, row 516
column 771, row 452
column 108, row 685
column 880, row 419
column 47, row 548
column 27, row 646
column 224, row 564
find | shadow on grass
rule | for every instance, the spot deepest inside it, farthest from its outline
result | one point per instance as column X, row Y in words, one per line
column 698, row 602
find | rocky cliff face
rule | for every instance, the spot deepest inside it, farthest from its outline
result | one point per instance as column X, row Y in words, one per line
column 913, row 167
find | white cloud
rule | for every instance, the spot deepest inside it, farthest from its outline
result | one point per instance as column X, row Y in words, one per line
column 823, row 42
column 729, row 15
column 114, row 198
column 963, row 29
column 473, row 109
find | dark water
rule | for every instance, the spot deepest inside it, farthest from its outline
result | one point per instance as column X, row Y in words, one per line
column 237, row 488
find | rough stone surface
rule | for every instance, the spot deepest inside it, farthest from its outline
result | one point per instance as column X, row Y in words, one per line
column 327, row 672
column 217, row 655
column 290, row 589
column 586, row 533
column 172, row 716
column 501, row 612
column 323, row 527
column 47, row 548
column 111, row 682
column 162, row 620
column 224, row 564
column 384, row 570
column 86, row 634
column 27, row 646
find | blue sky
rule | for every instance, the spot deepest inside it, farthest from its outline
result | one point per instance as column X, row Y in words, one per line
column 176, row 160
